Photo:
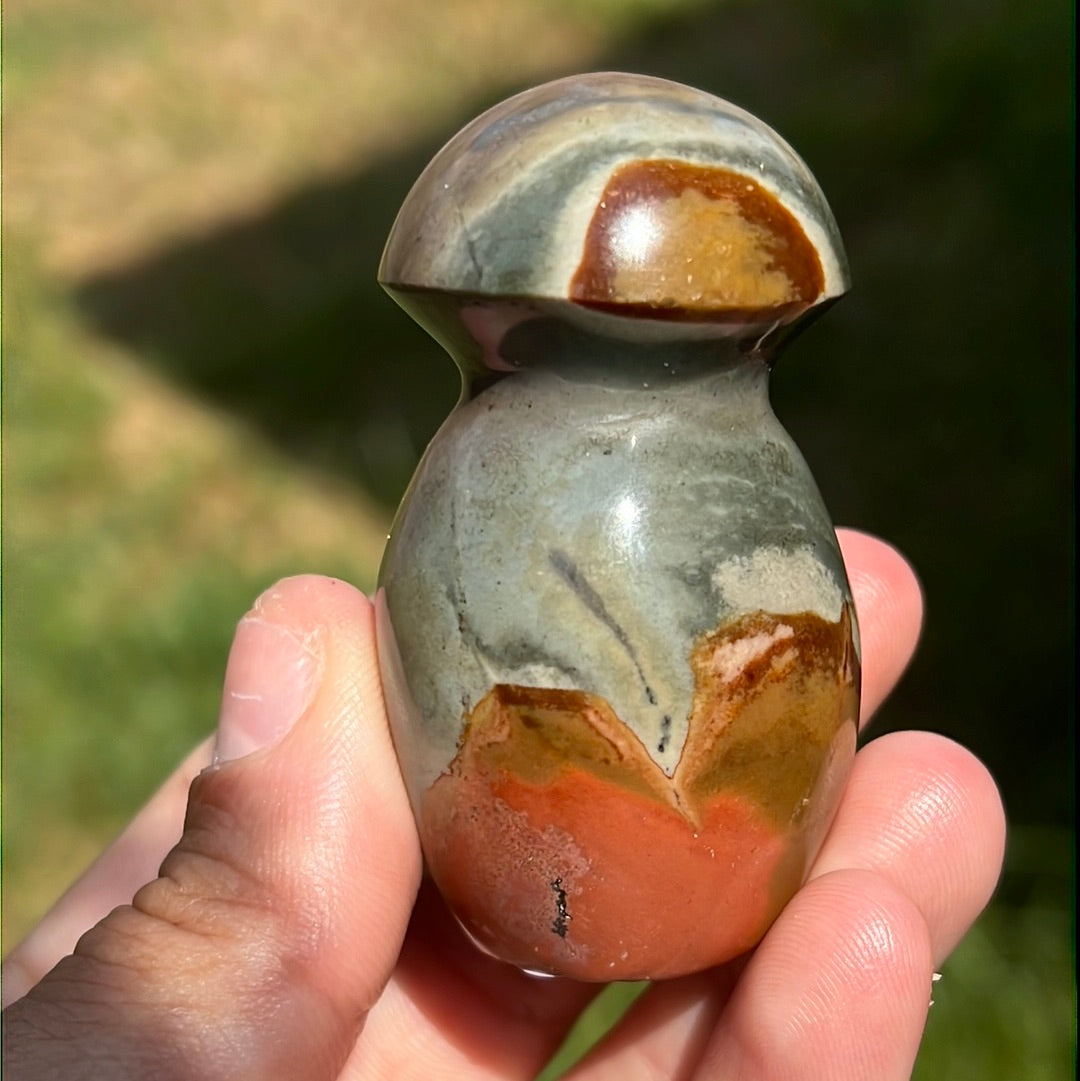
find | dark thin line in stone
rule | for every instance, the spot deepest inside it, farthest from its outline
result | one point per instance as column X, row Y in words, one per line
column 665, row 734
column 572, row 575
column 512, row 654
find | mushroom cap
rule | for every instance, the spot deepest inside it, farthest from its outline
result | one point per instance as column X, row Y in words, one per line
column 626, row 194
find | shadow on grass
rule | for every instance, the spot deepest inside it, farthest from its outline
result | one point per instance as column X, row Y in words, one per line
column 932, row 404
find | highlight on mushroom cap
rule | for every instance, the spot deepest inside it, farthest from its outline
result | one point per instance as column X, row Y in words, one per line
column 625, row 194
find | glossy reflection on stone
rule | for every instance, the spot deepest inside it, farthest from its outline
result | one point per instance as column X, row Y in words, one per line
column 615, row 632
column 679, row 240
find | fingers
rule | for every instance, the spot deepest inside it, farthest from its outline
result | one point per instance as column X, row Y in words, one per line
column 889, row 607
column 837, row 991
column 665, row 1033
column 278, row 917
column 451, row 1012
column 911, row 860
column 840, row 986
column 924, row 813
column 128, row 863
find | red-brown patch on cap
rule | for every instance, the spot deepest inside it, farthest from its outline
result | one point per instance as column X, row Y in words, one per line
column 679, row 241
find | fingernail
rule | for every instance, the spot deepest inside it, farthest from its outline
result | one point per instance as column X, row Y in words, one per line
column 269, row 682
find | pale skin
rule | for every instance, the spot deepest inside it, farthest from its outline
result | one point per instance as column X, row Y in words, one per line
column 288, row 933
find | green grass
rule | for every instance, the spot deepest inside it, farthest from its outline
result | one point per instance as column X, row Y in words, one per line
column 602, row 1014
column 1005, row 1006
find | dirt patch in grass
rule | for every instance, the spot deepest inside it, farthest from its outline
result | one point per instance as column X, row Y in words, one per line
column 133, row 122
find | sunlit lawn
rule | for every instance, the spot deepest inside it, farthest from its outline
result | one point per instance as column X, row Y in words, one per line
column 140, row 521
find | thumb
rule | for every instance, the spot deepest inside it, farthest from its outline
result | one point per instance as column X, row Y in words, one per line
column 275, row 922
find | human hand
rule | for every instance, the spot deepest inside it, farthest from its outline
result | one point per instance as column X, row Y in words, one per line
column 288, row 934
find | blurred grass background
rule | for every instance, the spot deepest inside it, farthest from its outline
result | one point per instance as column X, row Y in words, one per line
column 204, row 389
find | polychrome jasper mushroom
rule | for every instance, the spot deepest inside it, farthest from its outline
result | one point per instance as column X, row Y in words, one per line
column 616, row 636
